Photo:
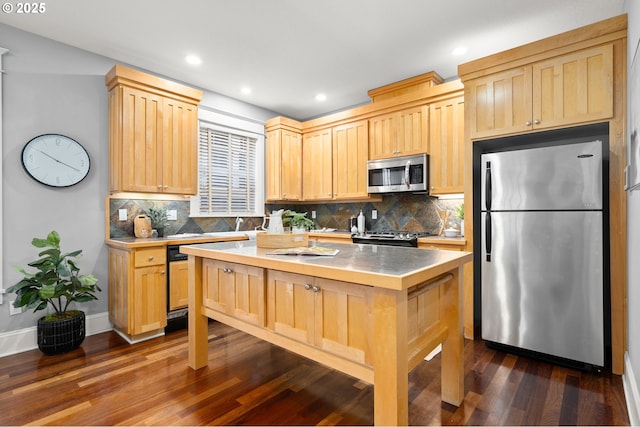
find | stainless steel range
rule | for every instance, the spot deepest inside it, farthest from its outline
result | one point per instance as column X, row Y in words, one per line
column 390, row 238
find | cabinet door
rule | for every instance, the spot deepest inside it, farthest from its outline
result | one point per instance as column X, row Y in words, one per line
column 446, row 146
column 273, row 160
column 573, row 88
column 317, row 160
column 500, row 103
column 382, row 136
column 149, row 299
column 290, row 306
column 412, row 136
column 342, row 319
column 141, row 133
column 179, row 288
column 350, row 154
column 235, row 289
column 291, row 165
column 180, row 148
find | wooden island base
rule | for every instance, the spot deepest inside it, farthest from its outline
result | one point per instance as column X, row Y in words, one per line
column 362, row 321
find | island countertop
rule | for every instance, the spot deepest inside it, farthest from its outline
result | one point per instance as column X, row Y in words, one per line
column 388, row 267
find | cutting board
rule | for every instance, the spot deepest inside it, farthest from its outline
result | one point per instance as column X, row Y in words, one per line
column 142, row 226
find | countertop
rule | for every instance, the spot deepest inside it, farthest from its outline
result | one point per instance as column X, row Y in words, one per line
column 389, row 267
column 133, row 242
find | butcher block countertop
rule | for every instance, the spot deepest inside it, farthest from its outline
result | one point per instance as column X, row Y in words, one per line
column 388, row 267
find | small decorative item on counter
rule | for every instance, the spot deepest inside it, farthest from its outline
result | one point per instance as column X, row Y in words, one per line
column 460, row 214
column 361, row 223
column 297, row 220
column 158, row 218
column 451, row 232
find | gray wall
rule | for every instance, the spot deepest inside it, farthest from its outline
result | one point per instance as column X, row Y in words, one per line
column 632, row 7
column 54, row 88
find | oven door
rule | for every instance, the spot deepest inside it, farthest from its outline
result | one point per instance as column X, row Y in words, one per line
column 400, row 174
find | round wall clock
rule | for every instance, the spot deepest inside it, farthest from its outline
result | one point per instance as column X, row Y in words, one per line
column 55, row 160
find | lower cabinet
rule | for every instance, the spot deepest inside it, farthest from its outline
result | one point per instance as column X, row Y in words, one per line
column 328, row 314
column 179, row 290
column 234, row 289
column 138, row 291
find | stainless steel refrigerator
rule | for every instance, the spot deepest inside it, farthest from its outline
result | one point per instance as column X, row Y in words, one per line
column 542, row 257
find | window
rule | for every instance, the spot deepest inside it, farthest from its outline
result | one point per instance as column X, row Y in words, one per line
column 230, row 171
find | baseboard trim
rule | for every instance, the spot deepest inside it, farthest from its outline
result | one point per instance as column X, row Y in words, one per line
column 631, row 393
column 14, row 342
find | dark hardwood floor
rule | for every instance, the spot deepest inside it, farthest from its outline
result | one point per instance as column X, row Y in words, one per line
column 250, row 382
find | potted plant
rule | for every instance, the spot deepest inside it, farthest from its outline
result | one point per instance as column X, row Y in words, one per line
column 460, row 214
column 158, row 218
column 297, row 220
column 56, row 284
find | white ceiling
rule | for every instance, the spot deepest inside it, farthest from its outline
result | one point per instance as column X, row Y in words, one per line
column 287, row 51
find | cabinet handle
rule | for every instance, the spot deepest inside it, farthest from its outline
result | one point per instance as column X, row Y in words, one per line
column 536, row 122
column 316, row 289
column 527, row 123
column 307, row 286
column 151, row 258
column 227, row 270
column 162, row 272
column 159, row 187
column 166, row 187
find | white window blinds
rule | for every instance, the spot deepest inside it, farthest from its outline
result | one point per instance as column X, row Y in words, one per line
column 227, row 172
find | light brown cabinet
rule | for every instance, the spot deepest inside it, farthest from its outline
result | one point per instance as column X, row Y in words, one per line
column 446, row 146
column 317, row 161
column 283, row 152
column 138, row 291
column 335, row 163
column 179, row 290
column 560, row 91
column 400, row 133
column 153, row 125
column 234, row 289
column 328, row 314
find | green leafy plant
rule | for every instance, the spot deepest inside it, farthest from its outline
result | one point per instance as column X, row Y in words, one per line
column 57, row 281
column 460, row 211
column 296, row 219
column 158, row 217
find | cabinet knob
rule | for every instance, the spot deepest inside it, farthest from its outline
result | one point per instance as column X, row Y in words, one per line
column 536, row 122
column 527, row 123
column 316, row 289
column 162, row 272
column 151, row 258
column 159, row 187
column 307, row 286
column 227, row 270
column 166, row 187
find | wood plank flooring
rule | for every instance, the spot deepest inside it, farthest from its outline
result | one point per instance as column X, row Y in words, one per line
column 250, row 382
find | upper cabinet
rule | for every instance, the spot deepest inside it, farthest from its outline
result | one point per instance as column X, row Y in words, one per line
column 283, row 154
column 400, row 133
column 560, row 91
column 153, row 128
column 446, row 146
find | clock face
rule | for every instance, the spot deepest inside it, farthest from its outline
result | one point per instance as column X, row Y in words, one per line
column 55, row 160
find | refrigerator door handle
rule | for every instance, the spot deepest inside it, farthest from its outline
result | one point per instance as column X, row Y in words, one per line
column 487, row 236
column 487, row 186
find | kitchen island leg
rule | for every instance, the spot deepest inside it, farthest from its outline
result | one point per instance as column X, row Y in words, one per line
column 390, row 369
column 198, row 322
column 452, row 368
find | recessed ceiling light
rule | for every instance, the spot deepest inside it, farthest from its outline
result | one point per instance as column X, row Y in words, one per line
column 246, row 90
column 321, row 97
column 460, row 50
column 193, row 59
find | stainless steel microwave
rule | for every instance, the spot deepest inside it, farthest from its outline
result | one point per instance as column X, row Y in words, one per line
column 398, row 174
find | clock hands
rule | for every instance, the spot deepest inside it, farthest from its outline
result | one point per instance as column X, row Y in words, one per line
column 62, row 163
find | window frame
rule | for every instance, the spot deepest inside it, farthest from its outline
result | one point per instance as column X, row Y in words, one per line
column 239, row 126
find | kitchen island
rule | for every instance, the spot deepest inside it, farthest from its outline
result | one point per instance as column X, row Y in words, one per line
column 373, row 312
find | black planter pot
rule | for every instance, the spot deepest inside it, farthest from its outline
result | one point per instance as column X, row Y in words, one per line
column 62, row 335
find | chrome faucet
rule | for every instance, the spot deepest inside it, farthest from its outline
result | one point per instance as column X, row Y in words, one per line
column 238, row 222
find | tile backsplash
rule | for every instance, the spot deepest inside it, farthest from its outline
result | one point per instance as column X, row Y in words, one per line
column 400, row 212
